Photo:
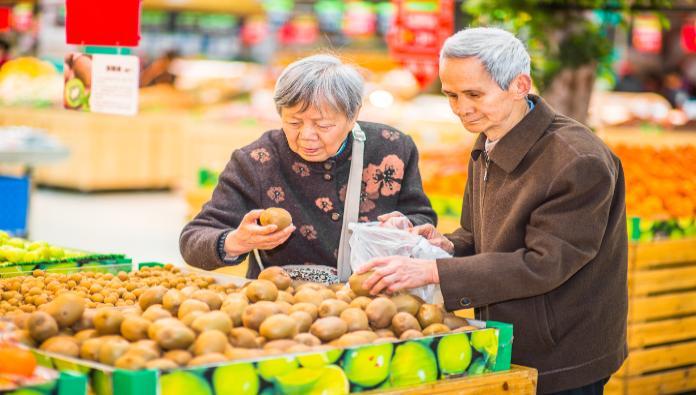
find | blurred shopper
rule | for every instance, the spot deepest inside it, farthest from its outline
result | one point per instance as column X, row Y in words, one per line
column 543, row 241
column 158, row 72
column 4, row 51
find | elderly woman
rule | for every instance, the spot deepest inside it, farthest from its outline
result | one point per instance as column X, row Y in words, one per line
column 305, row 169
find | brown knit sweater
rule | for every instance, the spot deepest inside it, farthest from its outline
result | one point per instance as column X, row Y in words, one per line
column 267, row 173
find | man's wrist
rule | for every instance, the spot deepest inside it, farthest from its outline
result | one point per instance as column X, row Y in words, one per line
column 434, row 275
column 232, row 247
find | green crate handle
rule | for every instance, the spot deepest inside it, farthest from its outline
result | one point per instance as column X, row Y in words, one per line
column 135, row 382
column 502, row 362
column 72, row 383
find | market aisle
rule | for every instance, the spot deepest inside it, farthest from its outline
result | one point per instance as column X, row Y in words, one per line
column 142, row 225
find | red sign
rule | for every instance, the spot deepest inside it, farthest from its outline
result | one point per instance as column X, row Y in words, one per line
column 647, row 34
column 688, row 35
column 5, row 13
column 106, row 23
column 254, row 31
column 419, row 30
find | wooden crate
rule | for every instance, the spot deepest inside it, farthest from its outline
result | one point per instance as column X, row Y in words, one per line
column 661, row 320
column 518, row 380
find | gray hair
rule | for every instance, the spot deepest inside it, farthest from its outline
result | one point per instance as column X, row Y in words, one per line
column 317, row 81
column 502, row 54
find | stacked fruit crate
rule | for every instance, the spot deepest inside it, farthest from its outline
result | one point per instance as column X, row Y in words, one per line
column 661, row 320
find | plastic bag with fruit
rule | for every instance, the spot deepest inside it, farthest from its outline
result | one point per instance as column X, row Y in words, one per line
column 370, row 240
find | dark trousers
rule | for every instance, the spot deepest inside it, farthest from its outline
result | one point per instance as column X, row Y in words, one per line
column 596, row 388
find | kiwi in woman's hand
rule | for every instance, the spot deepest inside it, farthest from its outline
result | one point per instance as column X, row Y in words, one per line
column 275, row 216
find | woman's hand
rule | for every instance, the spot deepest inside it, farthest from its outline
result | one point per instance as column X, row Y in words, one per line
column 396, row 273
column 250, row 235
column 434, row 237
column 395, row 220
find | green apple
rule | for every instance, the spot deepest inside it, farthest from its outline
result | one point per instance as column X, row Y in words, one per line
column 413, row 363
column 454, row 354
column 369, row 365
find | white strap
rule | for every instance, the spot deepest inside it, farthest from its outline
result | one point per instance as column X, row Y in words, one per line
column 352, row 204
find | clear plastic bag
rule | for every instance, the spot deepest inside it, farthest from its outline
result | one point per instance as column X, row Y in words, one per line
column 369, row 240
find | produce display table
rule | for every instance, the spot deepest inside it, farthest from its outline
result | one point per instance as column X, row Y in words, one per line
column 518, row 380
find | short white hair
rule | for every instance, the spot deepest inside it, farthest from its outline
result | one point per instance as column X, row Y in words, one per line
column 502, row 54
column 320, row 80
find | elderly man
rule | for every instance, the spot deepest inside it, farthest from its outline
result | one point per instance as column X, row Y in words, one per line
column 542, row 242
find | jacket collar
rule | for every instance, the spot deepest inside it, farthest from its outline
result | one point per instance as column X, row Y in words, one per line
column 515, row 145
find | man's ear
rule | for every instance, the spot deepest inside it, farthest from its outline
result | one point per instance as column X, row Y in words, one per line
column 521, row 85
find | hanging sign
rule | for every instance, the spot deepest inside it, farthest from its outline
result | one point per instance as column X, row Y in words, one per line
column 359, row 19
column 104, row 23
column 647, row 34
column 417, row 34
column 254, row 31
column 5, row 13
column 23, row 17
column 300, row 30
column 101, row 83
column 688, row 35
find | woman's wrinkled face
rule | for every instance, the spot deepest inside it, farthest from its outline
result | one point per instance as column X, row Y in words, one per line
column 315, row 134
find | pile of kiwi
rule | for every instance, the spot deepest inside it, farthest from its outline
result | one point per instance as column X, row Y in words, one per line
column 27, row 293
column 171, row 327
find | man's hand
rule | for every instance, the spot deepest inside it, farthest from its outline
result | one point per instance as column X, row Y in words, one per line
column 250, row 235
column 395, row 273
column 395, row 220
column 434, row 237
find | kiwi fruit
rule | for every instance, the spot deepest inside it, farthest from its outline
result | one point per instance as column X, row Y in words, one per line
column 261, row 341
column 64, row 345
column 309, row 308
column 108, row 321
column 171, row 300
column 66, row 309
column 453, row 322
column 86, row 321
column 332, row 308
column 303, row 320
column 85, row 334
column 356, row 319
column 328, row 328
column 207, row 359
column 404, row 321
column 190, row 305
column 190, row 317
column 406, row 303
column 148, row 349
column 177, row 337
column 134, row 328
column 284, row 296
column 161, row 364
column 212, row 299
column 277, row 216
column 243, row 338
column 242, row 353
column 256, row 313
column 261, row 290
column 308, row 295
column 283, row 307
column 23, row 337
column 74, row 93
column 410, row 334
column 368, row 334
column 210, row 341
column 280, row 344
column 466, row 328
column 380, row 312
column 42, row 326
column 212, row 320
column 360, row 302
column 307, row 339
column 179, row 357
column 278, row 326
column 385, row 333
column 345, row 295
column 234, row 309
column 350, row 339
column 356, row 283
column 130, row 361
column 160, row 324
column 151, row 296
column 434, row 329
column 111, row 350
column 156, row 312
column 429, row 314
column 278, row 276
column 90, row 348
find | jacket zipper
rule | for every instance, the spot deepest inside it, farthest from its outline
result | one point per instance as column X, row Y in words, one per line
column 487, row 162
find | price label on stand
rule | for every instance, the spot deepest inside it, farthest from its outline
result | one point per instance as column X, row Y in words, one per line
column 417, row 34
column 105, row 23
column 101, row 83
